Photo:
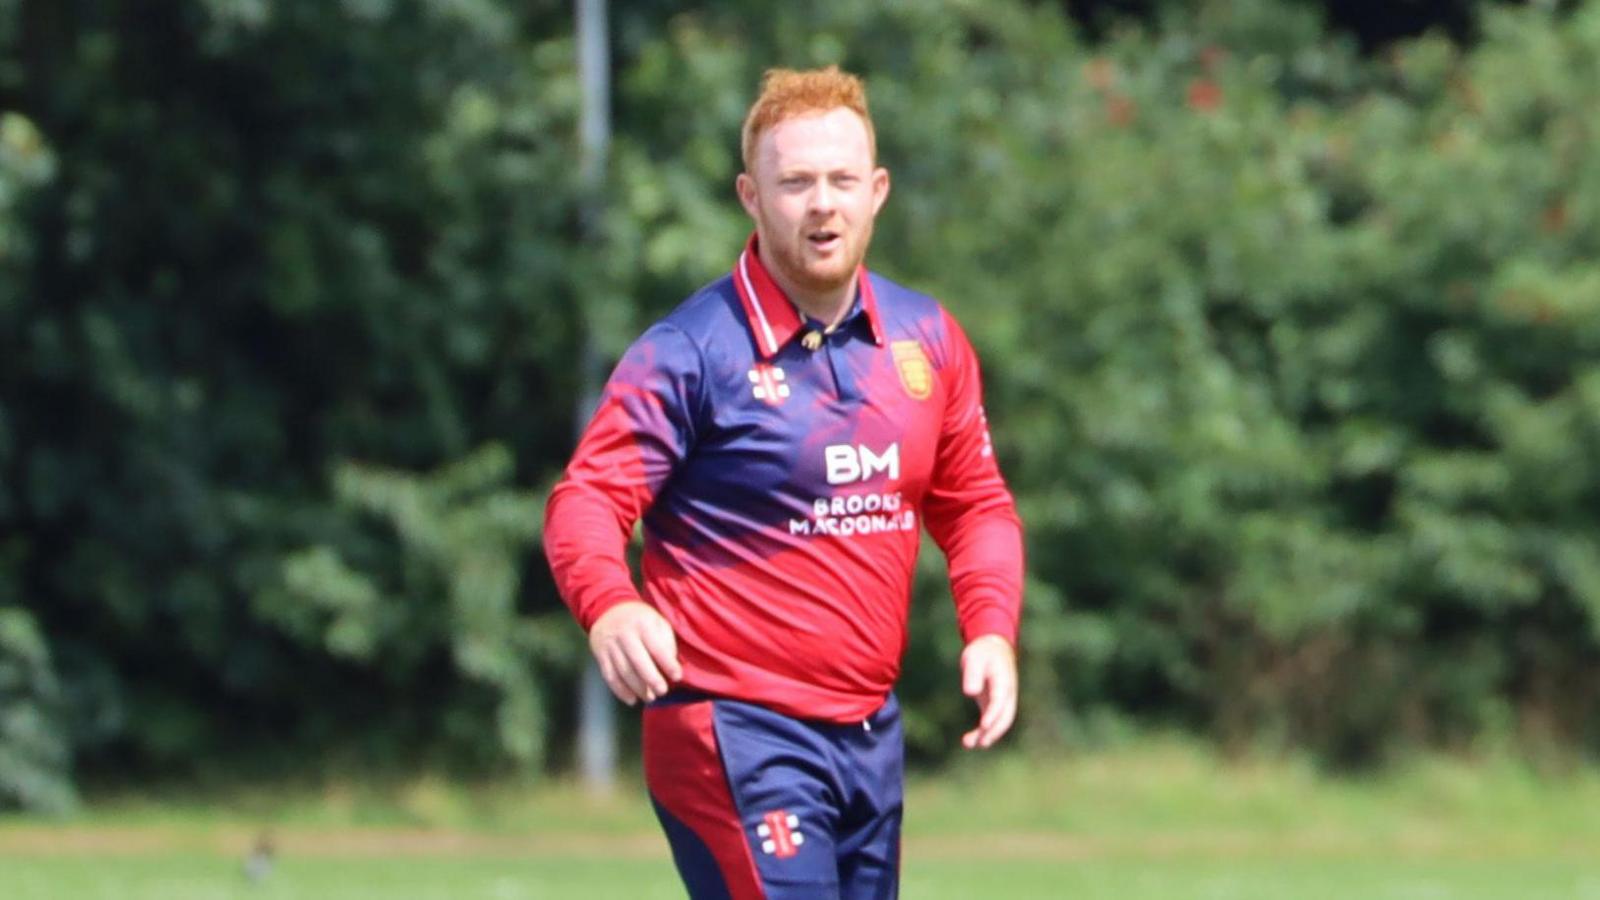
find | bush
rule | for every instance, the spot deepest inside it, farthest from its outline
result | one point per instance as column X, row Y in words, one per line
column 1290, row 356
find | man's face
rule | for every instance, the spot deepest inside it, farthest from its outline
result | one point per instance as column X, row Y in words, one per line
column 814, row 193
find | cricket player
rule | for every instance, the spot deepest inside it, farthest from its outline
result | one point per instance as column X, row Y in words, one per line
column 784, row 434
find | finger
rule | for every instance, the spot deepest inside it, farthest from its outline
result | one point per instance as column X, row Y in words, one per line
column 973, row 738
column 972, row 676
column 992, row 736
column 1001, row 713
column 993, row 707
column 650, row 681
column 627, row 679
column 626, row 672
column 613, row 678
column 1003, row 726
column 662, row 644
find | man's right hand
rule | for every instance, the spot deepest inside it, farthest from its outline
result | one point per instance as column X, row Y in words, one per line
column 636, row 650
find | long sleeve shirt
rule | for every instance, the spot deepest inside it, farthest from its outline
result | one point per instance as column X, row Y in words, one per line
column 782, row 483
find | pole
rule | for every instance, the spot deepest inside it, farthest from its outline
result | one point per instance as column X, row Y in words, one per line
column 597, row 728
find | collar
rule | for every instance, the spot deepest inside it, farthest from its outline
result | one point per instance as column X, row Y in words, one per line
column 773, row 318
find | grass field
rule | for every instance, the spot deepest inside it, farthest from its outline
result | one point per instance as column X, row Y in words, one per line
column 1159, row 820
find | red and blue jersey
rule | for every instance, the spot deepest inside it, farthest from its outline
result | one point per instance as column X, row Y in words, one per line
column 782, row 481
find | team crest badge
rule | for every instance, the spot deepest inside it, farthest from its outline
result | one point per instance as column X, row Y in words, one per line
column 768, row 384
column 780, row 834
column 916, row 373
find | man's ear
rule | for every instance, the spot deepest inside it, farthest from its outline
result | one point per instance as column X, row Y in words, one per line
column 745, row 186
column 880, row 188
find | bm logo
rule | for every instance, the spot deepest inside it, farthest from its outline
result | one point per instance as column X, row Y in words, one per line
column 849, row 463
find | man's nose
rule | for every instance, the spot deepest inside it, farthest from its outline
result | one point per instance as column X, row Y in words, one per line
column 822, row 197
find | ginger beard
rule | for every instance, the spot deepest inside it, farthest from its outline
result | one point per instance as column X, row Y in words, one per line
column 819, row 258
column 814, row 195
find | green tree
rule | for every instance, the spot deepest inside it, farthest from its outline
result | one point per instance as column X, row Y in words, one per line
column 281, row 236
column 1289, row 354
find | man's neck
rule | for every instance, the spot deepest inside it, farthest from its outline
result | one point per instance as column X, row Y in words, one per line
column 827, row 307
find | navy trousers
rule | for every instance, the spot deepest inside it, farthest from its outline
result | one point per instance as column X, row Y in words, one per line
column 760, row 805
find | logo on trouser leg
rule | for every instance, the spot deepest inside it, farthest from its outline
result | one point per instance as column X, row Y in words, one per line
column 780, row 834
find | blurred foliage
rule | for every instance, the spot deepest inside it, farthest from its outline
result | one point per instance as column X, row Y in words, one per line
column 35, row 746
column 1290, row 354
column 34, row 754
column 282, row 237
column 462, row 535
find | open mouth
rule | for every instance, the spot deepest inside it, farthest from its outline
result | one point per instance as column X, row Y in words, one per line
column 824, row 240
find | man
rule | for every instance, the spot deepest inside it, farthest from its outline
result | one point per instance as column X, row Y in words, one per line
column 783, row 433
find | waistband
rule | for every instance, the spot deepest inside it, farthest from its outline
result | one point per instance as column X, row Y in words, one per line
column 889, row 710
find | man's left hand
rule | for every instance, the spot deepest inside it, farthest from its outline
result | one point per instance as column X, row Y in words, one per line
column 989, row 676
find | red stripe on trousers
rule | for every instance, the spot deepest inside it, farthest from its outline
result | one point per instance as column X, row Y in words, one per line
column 685, row 775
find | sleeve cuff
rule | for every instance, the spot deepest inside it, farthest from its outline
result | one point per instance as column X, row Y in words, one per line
column 989, row 622
column 593, row 611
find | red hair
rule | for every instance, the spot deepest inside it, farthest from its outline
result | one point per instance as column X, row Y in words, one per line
column 787, row 93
